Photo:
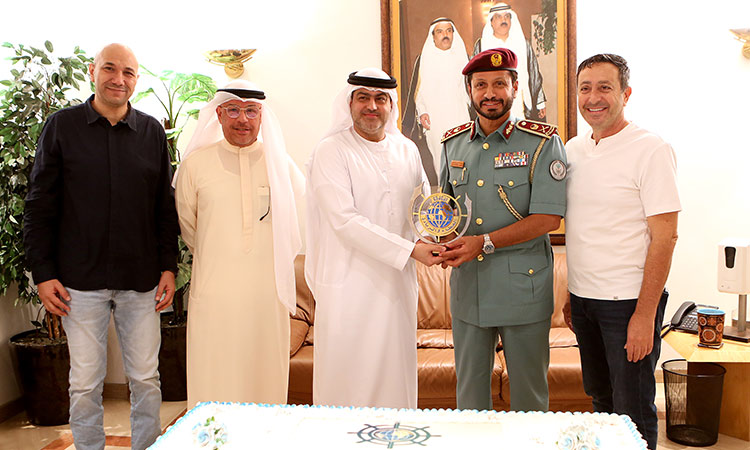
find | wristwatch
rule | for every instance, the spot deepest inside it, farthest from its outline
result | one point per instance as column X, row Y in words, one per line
column 488, row 246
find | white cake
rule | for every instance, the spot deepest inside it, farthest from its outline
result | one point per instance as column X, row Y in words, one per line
column 237, row 426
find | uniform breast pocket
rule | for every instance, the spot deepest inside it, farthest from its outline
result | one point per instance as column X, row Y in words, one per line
column 529, row 274
column 263, row 197
column 514, row 184
column 458, row 176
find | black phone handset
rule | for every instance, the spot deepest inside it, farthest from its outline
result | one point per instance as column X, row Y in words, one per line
column 679, row 315
column 679, row 318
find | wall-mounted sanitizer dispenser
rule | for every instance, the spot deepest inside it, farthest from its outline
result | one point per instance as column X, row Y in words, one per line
column 734, row 278
column 734, row 266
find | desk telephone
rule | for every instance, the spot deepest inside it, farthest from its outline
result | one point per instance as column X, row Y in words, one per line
column 686, row 317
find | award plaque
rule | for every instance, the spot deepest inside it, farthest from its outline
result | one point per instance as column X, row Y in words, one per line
column 439, row 216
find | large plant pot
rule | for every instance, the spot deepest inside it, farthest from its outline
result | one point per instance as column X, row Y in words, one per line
column 172, row 359
column 44, row 366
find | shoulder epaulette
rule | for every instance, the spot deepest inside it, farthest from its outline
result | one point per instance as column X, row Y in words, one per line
column 539, row 128
column 455, row 131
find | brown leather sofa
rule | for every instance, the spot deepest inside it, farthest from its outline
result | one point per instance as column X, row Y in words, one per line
column 435, row 363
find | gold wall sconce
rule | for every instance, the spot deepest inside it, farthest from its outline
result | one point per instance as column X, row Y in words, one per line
column 232, row 60
column 743, row 34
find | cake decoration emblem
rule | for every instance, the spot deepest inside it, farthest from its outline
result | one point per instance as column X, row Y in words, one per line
column 392, row 435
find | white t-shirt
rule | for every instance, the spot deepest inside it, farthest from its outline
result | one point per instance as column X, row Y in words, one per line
column 613, row 186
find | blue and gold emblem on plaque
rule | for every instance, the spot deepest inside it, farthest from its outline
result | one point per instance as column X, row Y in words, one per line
column 394, row 435
column 439, row 215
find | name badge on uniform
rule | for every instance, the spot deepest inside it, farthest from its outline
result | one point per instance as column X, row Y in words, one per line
column 514, row 159
column 458, row 164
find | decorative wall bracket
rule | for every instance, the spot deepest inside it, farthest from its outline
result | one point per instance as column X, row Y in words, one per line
column 232, row 60
column 743, row 34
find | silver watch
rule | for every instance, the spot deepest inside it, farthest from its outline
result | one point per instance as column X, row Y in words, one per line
column 488, row 246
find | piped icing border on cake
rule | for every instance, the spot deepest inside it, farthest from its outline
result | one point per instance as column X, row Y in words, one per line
column 187, row 420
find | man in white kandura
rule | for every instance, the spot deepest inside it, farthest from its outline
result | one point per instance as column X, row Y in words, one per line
column 236, row 202
column 361, row 177
column 441, row 99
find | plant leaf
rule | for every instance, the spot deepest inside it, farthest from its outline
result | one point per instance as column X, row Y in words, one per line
column 38, row 87
column 142, row 95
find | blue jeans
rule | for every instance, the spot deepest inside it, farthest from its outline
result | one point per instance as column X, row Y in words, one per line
column 138, row 330
column 616, row 385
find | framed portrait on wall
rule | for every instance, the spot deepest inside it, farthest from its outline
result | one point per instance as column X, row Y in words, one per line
column 426, row 44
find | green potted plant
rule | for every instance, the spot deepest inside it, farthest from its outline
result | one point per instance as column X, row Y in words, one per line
column 177, row 91
column 39, row 85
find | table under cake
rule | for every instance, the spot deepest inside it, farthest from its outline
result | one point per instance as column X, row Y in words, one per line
column 234, row 426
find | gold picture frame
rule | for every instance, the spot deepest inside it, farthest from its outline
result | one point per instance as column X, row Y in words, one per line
column 404, row 28
column 392, row 30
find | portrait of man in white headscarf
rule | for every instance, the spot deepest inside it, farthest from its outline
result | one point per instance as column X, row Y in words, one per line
column 437, row 98
column 534, row 30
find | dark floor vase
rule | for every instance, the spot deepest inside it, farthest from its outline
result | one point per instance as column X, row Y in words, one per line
column 172, row 359
column 44, row 372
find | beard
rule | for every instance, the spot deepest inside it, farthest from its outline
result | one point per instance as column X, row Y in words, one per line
column 493, row 115
column 369, row 126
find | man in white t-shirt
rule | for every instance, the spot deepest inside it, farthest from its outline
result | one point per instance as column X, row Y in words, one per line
column 621, row 229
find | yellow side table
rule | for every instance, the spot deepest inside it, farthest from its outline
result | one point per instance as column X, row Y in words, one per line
column 735, row 358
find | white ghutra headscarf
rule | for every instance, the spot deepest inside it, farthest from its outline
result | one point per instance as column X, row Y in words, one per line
column 371, row 79
column 282, row 173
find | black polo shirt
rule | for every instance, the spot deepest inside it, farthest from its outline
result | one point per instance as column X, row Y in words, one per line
column 100, row 211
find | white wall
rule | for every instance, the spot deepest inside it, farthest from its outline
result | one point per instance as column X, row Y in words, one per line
column 12, row 321
column 305, row 49
column 691, row 85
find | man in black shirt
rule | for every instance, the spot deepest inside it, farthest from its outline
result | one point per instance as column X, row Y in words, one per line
column 100, row 231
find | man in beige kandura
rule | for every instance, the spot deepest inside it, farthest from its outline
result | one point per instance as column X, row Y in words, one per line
column 235, row 193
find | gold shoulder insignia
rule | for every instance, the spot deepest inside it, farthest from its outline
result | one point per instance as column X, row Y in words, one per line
column 455, row 131
column 540, row 129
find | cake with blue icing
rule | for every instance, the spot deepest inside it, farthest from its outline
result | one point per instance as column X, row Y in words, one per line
column 235, row 426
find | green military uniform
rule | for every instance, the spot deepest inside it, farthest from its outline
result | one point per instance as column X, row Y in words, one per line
column 515, row 171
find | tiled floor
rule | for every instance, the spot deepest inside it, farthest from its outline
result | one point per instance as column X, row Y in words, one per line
column 18, row 434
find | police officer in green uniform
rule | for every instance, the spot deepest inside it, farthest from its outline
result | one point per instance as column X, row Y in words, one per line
column 514, row 173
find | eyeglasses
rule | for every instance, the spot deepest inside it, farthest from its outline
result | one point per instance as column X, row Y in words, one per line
column 251, row 112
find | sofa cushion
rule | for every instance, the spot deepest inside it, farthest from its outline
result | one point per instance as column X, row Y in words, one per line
column 301, row 321
column 560, row 289
column 297, row 331
column 433, row 310
column 300, row 385
column 437, row 378
column 564, row 379
column 305, row 300
column 434, row 338
column 562, row 337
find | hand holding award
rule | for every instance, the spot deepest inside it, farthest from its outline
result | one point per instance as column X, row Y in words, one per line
column 439, row 217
